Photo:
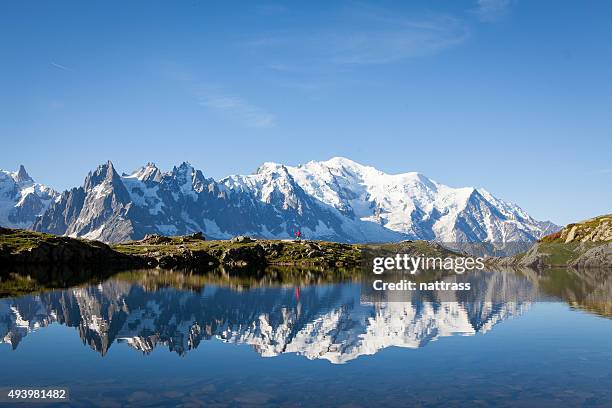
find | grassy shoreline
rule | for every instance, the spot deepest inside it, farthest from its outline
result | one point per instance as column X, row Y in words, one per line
column 22, row 247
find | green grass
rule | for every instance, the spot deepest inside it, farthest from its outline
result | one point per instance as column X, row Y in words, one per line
column 563, row 254
column 175, row 245
column 560, row 254
column 277, row 252
column 18, row 240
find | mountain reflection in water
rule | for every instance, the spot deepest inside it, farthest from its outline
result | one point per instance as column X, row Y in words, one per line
column 331, row 321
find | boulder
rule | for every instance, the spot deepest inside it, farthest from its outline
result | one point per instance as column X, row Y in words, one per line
column 155, row 239
column 169, row 261
column 242, row 239
column 197, row 235
column 312, row 245
column 314, row 253
column 254, row 255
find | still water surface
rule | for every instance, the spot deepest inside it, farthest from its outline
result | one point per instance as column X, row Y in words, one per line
column 141, row 339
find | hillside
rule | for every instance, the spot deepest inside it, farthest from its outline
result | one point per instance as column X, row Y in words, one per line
column 584, row 244
column 18, row 247
column 596, row 230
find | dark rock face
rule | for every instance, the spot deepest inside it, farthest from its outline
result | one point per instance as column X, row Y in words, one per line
column 251, row 255
column 22, row 175
column 63, row 213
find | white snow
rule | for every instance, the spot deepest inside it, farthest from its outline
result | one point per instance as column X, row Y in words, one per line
column 356, row 202
column 13, row 195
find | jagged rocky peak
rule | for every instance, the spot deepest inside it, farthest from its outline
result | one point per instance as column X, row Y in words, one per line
column 147, row 173
column 22, row 175
column 185, row 168
column 104, row 188
column 189, row 179
column 22, row 199
column 104, row 172
column 184, row 173
column 338, row 199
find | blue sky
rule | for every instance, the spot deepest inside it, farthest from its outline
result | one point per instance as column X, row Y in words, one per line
column 513, row 96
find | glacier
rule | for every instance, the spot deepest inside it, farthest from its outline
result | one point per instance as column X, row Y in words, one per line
column 336, row 200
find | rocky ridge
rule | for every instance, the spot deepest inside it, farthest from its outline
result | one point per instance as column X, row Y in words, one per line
column 334, row 200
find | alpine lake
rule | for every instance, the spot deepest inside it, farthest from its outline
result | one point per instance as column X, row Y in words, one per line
column 301, row 338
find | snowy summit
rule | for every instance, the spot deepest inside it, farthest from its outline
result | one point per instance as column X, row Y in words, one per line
column 337, row 199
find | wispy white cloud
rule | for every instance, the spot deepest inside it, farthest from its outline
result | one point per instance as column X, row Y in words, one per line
column 238, row 109
column 403, row 39
column 214, row 97
column 60, row 66
column 492, row 10
column 365, row 35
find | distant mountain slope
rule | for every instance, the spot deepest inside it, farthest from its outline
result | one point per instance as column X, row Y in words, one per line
column 337, row 200
column 22, row 199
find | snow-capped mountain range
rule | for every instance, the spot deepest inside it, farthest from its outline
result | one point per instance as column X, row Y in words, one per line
column 337, row 200
column 21, row 199
column 329, row 322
